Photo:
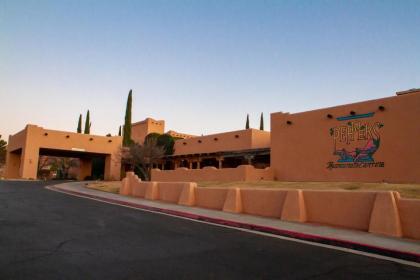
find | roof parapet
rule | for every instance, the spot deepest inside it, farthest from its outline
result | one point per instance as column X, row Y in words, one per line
column 409, row 91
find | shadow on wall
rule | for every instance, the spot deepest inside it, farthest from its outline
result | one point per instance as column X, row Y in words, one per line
column 376, row 212
column 209, row 173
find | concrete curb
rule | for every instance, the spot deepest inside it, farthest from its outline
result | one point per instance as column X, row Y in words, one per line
column 367, row 248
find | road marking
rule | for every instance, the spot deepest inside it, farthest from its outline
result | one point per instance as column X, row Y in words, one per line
column 347, row 250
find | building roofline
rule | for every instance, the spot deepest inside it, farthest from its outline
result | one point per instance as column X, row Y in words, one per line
column 397, row 94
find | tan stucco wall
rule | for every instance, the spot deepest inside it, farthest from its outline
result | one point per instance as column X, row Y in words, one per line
column 23, row 150
column 376, row 212
column 176, row 134
column 140, row 130
column 303, row 149
column 228, row 141
column 85, row 169
column 209, row 173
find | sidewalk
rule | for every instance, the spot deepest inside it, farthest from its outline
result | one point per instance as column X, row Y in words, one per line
column 397, row 248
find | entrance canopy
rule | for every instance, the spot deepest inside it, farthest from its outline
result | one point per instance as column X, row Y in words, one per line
column 26, row 146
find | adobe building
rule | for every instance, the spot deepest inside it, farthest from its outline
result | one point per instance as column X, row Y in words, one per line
column 242, row 155
column 141, row 129
column 179, row 135
column 370, row 141
column 25, row 147
column 223, row 150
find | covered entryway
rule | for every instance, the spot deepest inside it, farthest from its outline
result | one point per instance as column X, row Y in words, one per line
column 62, row 164
column 98, row 156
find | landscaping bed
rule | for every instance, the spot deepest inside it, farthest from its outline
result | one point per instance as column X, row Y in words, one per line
column 406, row 190
column 112, row 187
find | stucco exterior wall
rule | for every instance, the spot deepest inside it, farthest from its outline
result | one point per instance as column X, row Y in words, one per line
column 383, row 213
column 228, row 141
column 176, row 134
column 372, row 141
column 241, row 173
column 140, row 130
column 409, row 210
column 24, row 147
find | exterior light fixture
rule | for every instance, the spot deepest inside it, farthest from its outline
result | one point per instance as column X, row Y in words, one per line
column 381, row 108
column 352, row 113
column 184, row 143
column 236, row 136
column 215, row 139
column 199, row 141
column 45, row 134
column 109, row 141
column 90, row 139
column 329, row 116
column 67, row 136
column 289, row 122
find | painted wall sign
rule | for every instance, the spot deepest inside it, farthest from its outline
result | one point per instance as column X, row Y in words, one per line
column 355, row 142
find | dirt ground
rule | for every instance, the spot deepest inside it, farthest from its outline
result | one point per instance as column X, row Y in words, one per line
column 107, row 186
column 406, row 190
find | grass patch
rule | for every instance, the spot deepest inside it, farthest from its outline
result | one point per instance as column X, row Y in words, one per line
column 112, row 187
column 406, row 190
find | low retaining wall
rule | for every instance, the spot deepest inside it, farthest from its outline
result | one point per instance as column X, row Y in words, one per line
column 170, row 192
column 409, row 210
column 376, row 212
column 263, row 202
column 212, row 198
column 209, row 173
column 339, row 208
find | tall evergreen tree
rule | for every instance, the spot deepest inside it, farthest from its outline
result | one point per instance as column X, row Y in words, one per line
column 79, row 124
column 247, row 121
column 127, row 122
column 119, row 131
column 87, row 123
column 262, row 122
column 3, row 151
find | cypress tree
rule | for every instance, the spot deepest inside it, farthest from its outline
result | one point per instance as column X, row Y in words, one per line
column 119, row 131
column 247, row 121
column 127, row 123
column 87, row 123
column 79, row 125
column 262, row 122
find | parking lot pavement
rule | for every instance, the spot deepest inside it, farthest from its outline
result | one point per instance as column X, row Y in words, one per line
column 51, row 235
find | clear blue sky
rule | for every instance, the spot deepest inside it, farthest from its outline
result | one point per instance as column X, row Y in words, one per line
column 200, row 65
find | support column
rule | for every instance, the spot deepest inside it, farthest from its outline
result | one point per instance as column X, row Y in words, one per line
column 29, row 163
column 85, row 169
column 112, row 168
column 12, row 165
column 198, row 164
column 249, row 159
column 220, row 159
column 190, row 164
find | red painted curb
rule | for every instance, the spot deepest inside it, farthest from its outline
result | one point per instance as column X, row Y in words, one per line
column 409, row 256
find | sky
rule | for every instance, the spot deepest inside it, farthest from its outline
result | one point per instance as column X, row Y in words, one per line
column 199, row 65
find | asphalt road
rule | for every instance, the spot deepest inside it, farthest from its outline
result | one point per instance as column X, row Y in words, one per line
column 49, row 235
